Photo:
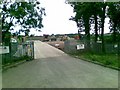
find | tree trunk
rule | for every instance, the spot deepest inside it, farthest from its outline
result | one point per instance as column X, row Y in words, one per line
column 87, row 34
column 96, row 28
column 114, row 33
column 118, row 49
column 102, row 26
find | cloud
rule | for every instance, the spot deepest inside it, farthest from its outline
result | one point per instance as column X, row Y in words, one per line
column 57, row 19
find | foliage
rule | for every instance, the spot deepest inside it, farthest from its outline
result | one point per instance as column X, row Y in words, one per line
column 114, row 15
column 86, row 14
column 94, row 13
column 27, row 15
column 7, row 60
column 6, row 38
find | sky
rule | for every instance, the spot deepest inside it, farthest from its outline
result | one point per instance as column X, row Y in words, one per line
column 57, row 17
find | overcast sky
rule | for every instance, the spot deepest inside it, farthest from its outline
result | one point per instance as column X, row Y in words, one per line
column 57, row 19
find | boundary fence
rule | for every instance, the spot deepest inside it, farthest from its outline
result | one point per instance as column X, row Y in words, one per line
column 71, row 46
column 18, row 52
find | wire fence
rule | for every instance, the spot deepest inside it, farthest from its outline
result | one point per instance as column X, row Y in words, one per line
column 17, row 52
column 71, row 46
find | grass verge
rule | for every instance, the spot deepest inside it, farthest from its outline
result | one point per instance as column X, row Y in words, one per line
column 14, row 62
column 107, row 60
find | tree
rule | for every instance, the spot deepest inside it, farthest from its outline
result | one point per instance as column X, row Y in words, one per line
column 25, row 14
column 103, row 16
column 114, row 15
column 87, row 14
column 82, row 19
column 95, row 13
column 90, row 13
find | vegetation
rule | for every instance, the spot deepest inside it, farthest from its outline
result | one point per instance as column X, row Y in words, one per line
column 109, row 60
column 114, row 13
column 27, row 15
column 94, row 13
column 12, row 61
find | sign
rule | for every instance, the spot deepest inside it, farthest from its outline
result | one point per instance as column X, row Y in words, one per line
column 99, row 41
column 115, row 46
column 13, row 40
column 80, row 46
column 4, row 49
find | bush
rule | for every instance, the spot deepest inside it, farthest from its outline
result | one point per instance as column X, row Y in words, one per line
column 9, row 60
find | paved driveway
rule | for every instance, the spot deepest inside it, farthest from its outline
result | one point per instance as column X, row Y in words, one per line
column 53, row 68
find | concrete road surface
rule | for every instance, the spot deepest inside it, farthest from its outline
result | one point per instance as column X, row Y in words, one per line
column 53, row 68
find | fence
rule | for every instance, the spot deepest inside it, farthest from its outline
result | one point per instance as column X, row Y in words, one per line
column 71, row 46
column 18, row 52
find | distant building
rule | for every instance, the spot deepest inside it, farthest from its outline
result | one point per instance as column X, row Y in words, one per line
column 46, row 37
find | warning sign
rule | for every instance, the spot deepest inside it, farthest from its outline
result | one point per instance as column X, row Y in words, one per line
column 80, row 46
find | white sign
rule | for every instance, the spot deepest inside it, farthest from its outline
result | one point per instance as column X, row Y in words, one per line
column 4, row 49
column 115, row 46
column 13, row 40
column 99, row 41
column 80, row 46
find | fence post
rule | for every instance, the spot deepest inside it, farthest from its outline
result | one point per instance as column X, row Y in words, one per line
column 33, row 50
column 118, row 53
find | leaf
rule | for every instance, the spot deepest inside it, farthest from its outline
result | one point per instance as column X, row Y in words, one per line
column 26, row 14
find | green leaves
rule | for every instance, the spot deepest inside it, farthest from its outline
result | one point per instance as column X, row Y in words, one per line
column 25, row 14
column 95, row 13
column 114, row 15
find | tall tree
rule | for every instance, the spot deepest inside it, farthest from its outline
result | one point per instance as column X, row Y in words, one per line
column 96, row 10
column 25, row 14
column 83, row 15
column 91, row 11
column 114, row 15
column 95, row 13
column 103, row 16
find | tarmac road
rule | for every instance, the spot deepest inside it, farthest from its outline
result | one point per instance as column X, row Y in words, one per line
column 53, row 68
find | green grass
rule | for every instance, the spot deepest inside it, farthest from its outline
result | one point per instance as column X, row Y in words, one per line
column 110, row 60
column 13, row 60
